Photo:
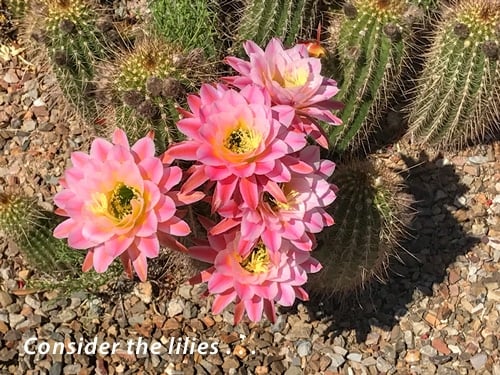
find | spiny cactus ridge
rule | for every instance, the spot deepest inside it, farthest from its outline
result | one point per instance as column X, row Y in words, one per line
column 17, row 8
column 458, row 94
column 286, row 19
column 370, row 213
column 371, row 46
column 30, row 228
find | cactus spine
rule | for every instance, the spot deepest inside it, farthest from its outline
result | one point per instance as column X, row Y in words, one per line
column 458, row 95
column 371, row 48
column 426, row 5
column 287, row 19
column 370, row 214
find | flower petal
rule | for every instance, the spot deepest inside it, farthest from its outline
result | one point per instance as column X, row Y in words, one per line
column 222, row 300
column 120, row 138
column 175, row 227
column 149, row 246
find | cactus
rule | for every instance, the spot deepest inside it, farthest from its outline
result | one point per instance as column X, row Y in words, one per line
column 426, row 5
column 69, row 30
column 30, row 228
column 287, row 19
column 145, row 86
column 188, row 24
column 457, row 96
column 17, row 8
column 372, row 48
column 370, row 212
column 59, row 266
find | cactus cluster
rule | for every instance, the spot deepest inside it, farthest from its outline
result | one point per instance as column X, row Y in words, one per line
column 372, row 48
column 371, row 212
column 287, row 19
column 458, row 95
column 371, row 42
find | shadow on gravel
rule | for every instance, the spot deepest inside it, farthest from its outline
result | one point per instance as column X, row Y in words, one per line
column 435, row 242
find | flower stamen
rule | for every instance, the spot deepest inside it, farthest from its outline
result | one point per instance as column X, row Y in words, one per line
column 258, row 260
column 295, row 78
column 119, row 202
column 275, row 205
column 241, row 140
column 115, row 204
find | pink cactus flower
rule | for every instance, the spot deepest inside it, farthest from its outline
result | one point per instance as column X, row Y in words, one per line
column 291, row 210
column 236, row 136
column 292, row 78
column 120, row 204
column 254, row 278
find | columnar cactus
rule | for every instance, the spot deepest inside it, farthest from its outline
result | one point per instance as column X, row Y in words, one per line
column 69, row 29
column 263, row 19
column 458, row 95
column 371, row 45
column 370, row 213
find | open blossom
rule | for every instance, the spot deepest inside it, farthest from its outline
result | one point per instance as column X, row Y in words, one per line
column 119, row 204
column 292, row 78
column 291, row 210
column 236, row 137
column 253, row 277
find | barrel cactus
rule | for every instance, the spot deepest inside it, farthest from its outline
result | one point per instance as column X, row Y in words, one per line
column 458, row 93
column 371, row 39
column 371, row 212
column 288, row 19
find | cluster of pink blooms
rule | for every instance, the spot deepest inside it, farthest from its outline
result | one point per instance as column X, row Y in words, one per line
column 248, row 139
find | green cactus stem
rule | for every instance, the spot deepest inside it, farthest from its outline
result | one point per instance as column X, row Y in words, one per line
column 371, row 42
column 370, row 215
column 427, row 6
column 286, row 19
column 457, row 97
column 69, row 30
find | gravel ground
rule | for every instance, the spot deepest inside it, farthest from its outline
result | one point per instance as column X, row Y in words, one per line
column 438, row 312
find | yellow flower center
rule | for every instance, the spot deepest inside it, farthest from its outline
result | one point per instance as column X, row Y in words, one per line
column 276, row 205
column 258, row 260
column 242, row 140
column 116, row 204
column 295, row 78
column 120, row 200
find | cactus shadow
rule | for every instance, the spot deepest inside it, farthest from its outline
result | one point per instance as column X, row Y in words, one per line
column 435, row 240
